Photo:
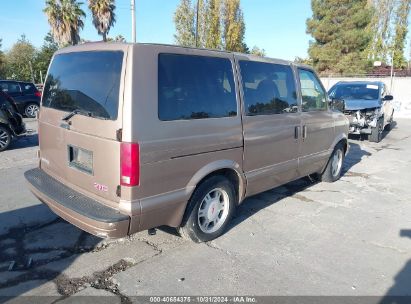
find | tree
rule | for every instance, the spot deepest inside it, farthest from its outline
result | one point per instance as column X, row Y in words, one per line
column 300, row 60
column 201, row 23
column 44, row 55
column 220, row 25
column 185, row 24
column 213, row 34
column 2, row 62
column 20, row 59
column 341, row 32
column 383, row 14
column 103, row 15
column 258, row 52
column 66, row 20
column 234, row 26
column 401, row 30
column 118, row 38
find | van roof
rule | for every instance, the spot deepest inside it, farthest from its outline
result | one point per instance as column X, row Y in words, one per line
column 92, row 45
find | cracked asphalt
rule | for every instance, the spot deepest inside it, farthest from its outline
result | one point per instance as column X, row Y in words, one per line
column 352, row 237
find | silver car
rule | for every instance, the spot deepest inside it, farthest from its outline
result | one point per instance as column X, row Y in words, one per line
column 367, row 106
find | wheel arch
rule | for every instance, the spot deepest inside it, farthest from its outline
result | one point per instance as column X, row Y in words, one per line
column 341, row 138
column 228, row 168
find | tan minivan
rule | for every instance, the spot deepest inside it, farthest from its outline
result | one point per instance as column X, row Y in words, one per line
column 136, row 136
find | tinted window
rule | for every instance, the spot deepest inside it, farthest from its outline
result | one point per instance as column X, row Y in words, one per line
column 3, row 100
column 356, row 91
column 88, row 81
column 268, row 88
column 10, row 87
column 313, row 94
column 28, row 88
column 195, row 87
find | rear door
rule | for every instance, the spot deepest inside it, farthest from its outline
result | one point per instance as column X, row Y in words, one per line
column 271, row 124
column 317, row 124
column 12, row 88
column 83, row 151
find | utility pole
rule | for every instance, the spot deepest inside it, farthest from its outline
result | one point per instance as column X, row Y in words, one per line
column 392, row 70
column 133, row 21
column 198, row 3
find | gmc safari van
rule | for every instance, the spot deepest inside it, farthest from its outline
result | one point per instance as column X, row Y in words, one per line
column 136, row 136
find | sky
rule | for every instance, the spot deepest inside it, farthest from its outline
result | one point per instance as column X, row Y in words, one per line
column 274, row 25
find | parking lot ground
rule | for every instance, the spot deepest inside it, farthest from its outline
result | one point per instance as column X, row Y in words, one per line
column 349, row 238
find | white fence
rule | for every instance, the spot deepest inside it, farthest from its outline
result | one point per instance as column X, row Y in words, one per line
column 401, row 90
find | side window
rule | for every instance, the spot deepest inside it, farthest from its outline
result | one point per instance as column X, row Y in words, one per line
column 10, row 87
column 268, row 88
column 195, row 87
column 314, row 98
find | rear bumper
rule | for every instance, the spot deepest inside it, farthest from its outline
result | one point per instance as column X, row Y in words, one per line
column 82, row 211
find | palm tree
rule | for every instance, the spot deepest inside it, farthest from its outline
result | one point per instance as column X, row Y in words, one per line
column 65, row 18
column 103, row 15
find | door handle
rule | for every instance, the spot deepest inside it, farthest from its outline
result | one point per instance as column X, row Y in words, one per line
column 297, row 132
column 304, row 132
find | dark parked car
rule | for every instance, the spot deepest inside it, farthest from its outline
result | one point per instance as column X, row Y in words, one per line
column 11, row 122
column 367, row 105
column 25, row 94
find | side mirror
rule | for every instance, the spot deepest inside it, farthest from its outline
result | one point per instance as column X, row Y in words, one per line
column 337, row 104
column 388, row 97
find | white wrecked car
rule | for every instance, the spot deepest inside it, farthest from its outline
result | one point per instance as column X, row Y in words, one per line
column 367, row 106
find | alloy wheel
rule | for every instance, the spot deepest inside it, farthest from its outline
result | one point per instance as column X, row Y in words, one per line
column 213, row 210
column 31, row 110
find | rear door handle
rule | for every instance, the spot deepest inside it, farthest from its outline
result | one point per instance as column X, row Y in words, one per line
column 304, row 132
column 297, row 132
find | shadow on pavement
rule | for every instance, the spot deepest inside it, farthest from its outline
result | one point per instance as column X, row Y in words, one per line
column 25, row 249
column 364, row 137
column 270, row 197
column 400, row 292
column 353, row 157
column 26, row 141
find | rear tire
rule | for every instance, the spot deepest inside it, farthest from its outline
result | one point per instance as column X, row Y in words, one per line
column 333, row 170
column 209, row 210
column 5, row 138
column 376, row 133
column 30, row 110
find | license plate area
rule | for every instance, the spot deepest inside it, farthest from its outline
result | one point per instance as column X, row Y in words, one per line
column 80, row 159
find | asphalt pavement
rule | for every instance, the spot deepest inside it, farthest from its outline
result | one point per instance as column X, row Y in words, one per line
column 349, row 238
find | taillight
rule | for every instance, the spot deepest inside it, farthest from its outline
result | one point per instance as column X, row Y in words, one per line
column 130, row 164
column 38, row 94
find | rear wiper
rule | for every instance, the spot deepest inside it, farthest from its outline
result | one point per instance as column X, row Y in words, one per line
column 75, row 112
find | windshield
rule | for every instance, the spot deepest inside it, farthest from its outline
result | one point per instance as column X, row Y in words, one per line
column 85, row 81
column 356, row 91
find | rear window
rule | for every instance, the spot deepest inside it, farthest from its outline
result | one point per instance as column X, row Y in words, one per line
column 86, row 81
column 195, row 87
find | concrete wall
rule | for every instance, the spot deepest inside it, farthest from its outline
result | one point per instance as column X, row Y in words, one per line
column 401, row 90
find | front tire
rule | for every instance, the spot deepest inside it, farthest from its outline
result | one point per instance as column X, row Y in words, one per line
column 209, row 210
column 5, row 138
column 376, row 133
column 333, row 170
column 388, row 127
